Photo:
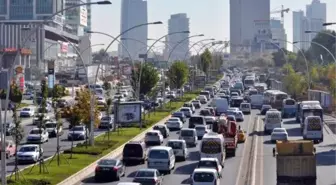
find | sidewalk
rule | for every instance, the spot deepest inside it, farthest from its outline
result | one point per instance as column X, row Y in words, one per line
column 330, row 122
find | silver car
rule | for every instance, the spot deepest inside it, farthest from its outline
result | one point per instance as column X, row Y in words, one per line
column 279, row 134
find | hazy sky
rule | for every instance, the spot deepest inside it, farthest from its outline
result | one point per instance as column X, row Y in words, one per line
column 209, row 17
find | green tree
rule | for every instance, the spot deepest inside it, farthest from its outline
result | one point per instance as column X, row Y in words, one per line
column 178, row 74
column 148, row 79
column 206, row 60
column 100, row 56
column 279, row 57
column 327, row 41
column 294, row 83
column 73, row 120
column 17, row 132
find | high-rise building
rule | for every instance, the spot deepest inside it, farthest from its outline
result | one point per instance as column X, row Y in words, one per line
column 246, row 22
column 77, row 18
column 133, row 12
column 178, row 23
column 315, row 17
column 279, row 33
column 316, row 13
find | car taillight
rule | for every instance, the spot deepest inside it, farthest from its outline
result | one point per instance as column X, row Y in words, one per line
column 155, row 181
column 115, row 169
column 97, row 168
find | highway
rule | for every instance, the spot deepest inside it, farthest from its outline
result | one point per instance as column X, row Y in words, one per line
column 325, row 152
column 182, row 171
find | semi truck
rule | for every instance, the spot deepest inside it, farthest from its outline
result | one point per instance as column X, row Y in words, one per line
column 295, row 162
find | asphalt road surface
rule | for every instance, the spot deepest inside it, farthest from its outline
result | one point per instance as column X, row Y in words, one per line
column 325, row 155
column 182, row 171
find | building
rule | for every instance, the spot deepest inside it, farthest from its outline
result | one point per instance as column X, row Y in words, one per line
column 178, row 23
column 76, row 19
column 312, row 21
column 279, row 33
column 316, row 13
column 38, row 42
column 133, row 12
column 248, row 26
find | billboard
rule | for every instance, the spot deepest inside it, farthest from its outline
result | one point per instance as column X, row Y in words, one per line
column 51, row 74
column 262, row 30
column 128, row 112
column 64, row 47
column 83, row 16
column 19, row 77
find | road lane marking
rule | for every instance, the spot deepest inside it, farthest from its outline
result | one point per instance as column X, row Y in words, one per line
column 261, row 180
column 254, row 162
column 244, row 151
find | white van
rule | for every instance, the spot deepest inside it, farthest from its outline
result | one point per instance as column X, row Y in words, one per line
column 313, row 128
column 205, row 176
column 179, row 147
column 189, row 135
column 245, row 108
column 272, row 120
column 213, row 146
column 161, row 158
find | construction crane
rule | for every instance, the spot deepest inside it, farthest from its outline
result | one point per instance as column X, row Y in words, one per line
column 282, row 12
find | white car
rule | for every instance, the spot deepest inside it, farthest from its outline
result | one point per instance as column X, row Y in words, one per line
column 239, row 116
column 37, row 118
column 100, row 99
column 28, row 96
column 171, row 95
column 203, row 99
column 179, row 147
column 209, row 119
column 201, row 130
column 53, row 129
column 187, row 111
column 245, row 108
column 211, row 163
column 234, row 109
column 174, row 125
column 29, row 153
column 174, row 119
column 279, row 134
column 197, row 104
column 153, row 137
column 27, row 112
column 37, row 135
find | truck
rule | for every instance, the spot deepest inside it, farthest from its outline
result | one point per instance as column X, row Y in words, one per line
column 295, row 162
column 230, row 133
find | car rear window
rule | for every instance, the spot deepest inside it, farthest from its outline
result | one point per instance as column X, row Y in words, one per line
column 151, row 134
column 196, row 120
column 132, row 150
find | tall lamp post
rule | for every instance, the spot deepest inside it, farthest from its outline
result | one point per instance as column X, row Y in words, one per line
column 3, row 142
column 329, row 23
column 196, row 43
column 141, row 42
column 176, row 45
column 318, row 44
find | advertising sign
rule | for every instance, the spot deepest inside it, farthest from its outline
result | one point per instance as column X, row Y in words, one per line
column 262, row 30
column 127, row 70
column 19, row 77
column 83, row 16
column 64, row 47
column 51, row 74
column 129, row 112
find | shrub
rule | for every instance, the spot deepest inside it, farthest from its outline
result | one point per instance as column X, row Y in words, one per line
column 97, row 149
column 29, row 182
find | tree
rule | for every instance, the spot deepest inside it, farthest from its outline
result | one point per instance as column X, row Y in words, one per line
column 206, row 60
column 315, row 51
column 100, row 56
column 17, row 132
column 178, row 74
column 294, row 83
column 148, row 79
column 279, row 57
column 74, row 120
column 83, row 109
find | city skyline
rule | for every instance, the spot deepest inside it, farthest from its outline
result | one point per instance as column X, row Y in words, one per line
column 204, row 23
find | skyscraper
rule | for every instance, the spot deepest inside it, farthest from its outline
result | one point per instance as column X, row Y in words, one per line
column 178, row 23
column 77, row 18
column 315, row 17
column 245, row 20
column 134, row 12
column 278, row 32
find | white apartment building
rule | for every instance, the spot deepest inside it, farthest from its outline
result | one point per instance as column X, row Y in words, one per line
column 178, row 23
column 77, row 19
column 133, row 12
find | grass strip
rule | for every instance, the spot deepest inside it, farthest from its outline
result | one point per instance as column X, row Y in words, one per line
column 84, row 155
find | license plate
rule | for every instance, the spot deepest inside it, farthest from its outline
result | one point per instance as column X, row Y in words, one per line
column 105, row 169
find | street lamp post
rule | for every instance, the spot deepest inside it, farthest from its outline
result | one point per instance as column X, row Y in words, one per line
column 176, row 45
column 196, row 43
column 318, row 44
column 143, row 43
column 325, row 33
column 329, row 23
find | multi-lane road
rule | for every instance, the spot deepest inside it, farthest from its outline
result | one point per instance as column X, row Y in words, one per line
column 182, row 170
column 253, row 164
column 48, row 147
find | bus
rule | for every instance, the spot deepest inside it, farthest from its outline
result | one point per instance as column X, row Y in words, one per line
column 308, row 107
column 313, row 129
column 268, row 96
column 289, row 108
column 310, row 110
column 261, row 87
column 249, row 81
column 213, row 146
column 277, row 99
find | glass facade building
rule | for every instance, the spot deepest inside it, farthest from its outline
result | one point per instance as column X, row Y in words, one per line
column 44, row 6
column 21, row 10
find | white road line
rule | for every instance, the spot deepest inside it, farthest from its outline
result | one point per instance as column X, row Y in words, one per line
column 244, row 151
column 261, row 180
column 254, row 162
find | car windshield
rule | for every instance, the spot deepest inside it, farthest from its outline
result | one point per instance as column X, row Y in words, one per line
column 26, row 109
column 187, row 133
column 203, row 177
column 175, row 145
column 278, row 130
column 177, row 114
column 28, row 149
column 36, row 131
column 109, row 162
column 77, row 129
column 158, row 154
column 145, row 173
column 174, row 119
column 207, row 164
column 185, row 110
column 151, row 134
column 132, row 150
column 195, row 101
column 245, row 105
column 50, row 125
column 200, row 128
column 209, row 118
column 107, row 118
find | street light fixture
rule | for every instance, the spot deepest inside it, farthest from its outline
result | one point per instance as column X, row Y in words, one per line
column 325, row 33
column 329, row 23
column 172, row 50
column 103, row 2
column 318, row 44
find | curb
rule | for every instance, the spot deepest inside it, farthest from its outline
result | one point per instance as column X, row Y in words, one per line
column 82, row 174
